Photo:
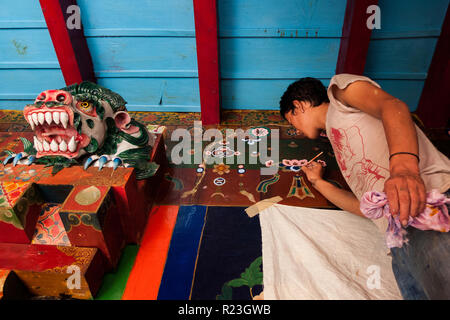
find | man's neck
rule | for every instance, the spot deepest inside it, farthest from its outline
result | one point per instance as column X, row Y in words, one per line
column 321, row 112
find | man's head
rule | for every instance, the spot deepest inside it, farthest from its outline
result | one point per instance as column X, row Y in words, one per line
column 297, row 102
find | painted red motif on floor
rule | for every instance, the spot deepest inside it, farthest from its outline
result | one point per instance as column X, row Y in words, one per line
column 360, row 172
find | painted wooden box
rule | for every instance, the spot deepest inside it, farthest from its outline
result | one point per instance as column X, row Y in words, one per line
column 104, row 209
column 54, row 271
column 91, row 219
column 133, row 198
column 20, row 204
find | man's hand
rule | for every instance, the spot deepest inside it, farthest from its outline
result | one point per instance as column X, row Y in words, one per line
column 343, row 199
column 313, row 171
column 405, row 189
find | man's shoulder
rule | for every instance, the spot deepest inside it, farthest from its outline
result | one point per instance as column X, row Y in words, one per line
column 343, row 80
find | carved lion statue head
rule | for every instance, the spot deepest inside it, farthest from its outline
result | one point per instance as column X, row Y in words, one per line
column 87, row 122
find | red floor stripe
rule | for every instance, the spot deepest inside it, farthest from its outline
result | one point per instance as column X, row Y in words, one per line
column 145, row 277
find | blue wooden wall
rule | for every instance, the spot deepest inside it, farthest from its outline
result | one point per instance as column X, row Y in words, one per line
column 401, row 51
column 264, row 46
column 146, row 50
column 28, row 62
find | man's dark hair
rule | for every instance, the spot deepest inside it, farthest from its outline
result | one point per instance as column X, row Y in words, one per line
column 304, row 89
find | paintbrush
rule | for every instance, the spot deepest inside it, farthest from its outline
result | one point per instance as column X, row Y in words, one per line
column 314, row 158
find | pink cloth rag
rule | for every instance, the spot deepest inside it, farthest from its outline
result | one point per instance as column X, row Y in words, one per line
column 374, row 205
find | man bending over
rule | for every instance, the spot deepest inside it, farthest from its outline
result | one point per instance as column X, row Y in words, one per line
column 378, row 148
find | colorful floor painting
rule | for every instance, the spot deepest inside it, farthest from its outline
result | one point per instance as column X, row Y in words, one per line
column 198, row 242
column 229, row 257
column 114, row 283
column 235, row 178
column 181, row 260
column 145, row 277
column 192, row 253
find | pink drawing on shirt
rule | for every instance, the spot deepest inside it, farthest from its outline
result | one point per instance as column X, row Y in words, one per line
column 360, row 172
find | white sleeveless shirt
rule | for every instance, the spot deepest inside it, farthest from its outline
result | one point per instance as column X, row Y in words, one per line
column 360, row 146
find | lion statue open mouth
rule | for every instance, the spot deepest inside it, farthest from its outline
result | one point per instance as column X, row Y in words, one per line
column 85, row 122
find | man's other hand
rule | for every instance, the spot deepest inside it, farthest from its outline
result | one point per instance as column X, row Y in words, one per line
column 405, row 189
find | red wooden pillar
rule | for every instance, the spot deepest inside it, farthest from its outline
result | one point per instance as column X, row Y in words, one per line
column 434, row 103
column 205, row 14
column 70, row 44
column 355, row 38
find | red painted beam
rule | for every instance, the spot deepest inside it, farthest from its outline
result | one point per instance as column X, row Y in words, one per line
column 434, row 103
column 70, row 44
column 205, row 15
column 355, row 37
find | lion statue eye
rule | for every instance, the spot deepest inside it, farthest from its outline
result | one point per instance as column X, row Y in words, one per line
column 87, row 108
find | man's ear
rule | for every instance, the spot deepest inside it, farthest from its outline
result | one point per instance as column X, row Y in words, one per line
column 299, row 106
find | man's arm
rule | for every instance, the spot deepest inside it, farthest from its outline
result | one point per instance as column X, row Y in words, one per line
column 405, row 189
column 343, row 199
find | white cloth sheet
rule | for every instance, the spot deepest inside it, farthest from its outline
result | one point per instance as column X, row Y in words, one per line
column 324, row 254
